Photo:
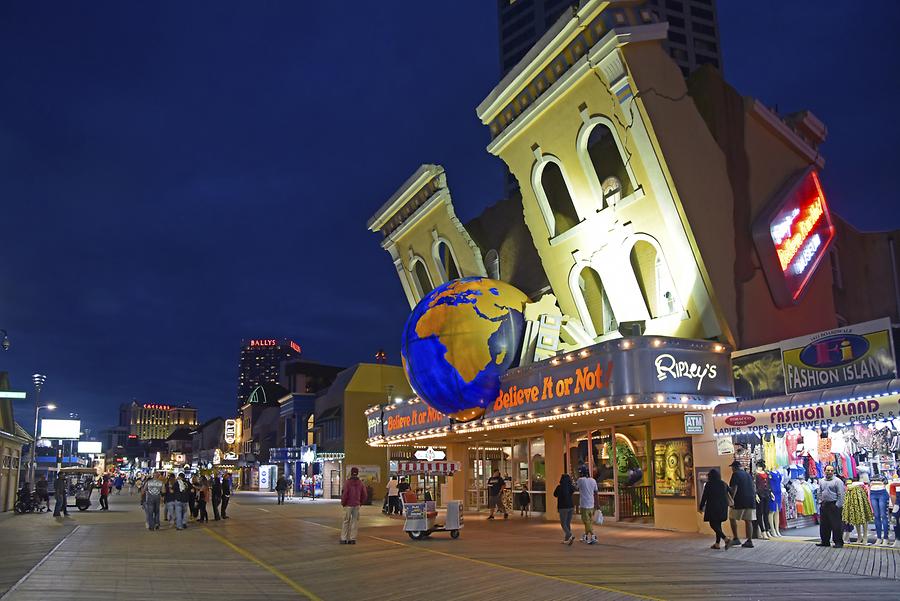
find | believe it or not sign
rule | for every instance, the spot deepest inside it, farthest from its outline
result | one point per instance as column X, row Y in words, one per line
column 808, row 418
column 792, row 236
column 230, row 431
column 850, row 355
column 693, row 423
column 615, row 370
column 412, row 417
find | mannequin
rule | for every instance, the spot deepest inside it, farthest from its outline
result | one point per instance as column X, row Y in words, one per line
column 775, row 480
column 763, row 498
column 878, row 495
column 857, row 511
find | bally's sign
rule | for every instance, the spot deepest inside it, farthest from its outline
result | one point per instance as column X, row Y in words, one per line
column 808, row 418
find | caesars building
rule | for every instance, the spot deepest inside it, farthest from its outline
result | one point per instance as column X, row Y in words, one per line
column 663, row 223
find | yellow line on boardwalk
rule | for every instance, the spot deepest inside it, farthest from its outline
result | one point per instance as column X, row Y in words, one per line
column 271, row 569
column 503, row 567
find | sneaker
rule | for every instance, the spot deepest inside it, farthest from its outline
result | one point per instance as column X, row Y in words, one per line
column 822, row 545
column 571, row 540
column 748, row 544
column 728, row 543
column 352, row 542
column 592, row 541
column 736, row 541
column 877, row 541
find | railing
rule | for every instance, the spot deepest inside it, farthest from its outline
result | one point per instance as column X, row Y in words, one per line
column 635, row 502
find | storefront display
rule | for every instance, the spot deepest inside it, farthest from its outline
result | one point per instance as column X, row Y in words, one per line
column 673, row 468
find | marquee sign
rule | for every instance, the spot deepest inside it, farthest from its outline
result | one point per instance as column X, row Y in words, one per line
column 792, row 236
column 230, row 431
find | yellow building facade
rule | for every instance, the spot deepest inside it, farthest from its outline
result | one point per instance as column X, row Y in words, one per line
column 639, row 190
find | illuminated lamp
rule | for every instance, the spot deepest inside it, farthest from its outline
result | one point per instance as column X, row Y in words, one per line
column 792, row 235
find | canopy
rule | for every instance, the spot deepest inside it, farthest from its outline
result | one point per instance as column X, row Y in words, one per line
column 428, row 468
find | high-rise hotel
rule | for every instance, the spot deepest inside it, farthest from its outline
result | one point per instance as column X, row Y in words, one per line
column 261, row 360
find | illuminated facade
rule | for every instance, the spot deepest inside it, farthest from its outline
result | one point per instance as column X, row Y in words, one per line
column 146, row 421
column 260, row 363
column 642, row 193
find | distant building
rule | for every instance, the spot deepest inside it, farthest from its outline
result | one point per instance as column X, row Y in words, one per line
column 307, row 377
column 147, row 421
column 12, row 438
column 260, row 363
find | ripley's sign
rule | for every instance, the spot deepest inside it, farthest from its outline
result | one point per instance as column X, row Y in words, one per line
column 807, row 418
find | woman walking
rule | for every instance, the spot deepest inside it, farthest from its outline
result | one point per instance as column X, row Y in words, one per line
column 565, row 504
column 714, row 505
column 202, row 498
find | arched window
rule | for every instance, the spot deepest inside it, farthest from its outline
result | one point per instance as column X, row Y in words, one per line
column 596, row 303
column 492, row 264
column 553, row 194
column 654, row 279
column 446, row 264
column 421, row 278
column 609, row 168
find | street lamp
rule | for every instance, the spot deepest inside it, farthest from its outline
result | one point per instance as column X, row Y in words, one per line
column 37, row 410
column 38, row 380
column 5, row 344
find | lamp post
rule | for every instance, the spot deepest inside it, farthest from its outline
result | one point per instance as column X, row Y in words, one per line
column 49, row 407
column 38, row 380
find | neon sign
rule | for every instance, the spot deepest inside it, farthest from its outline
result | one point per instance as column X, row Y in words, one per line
column 230, row 431
column 263, row 343
column 296, row 347
column 157, row 406
column 792, row 236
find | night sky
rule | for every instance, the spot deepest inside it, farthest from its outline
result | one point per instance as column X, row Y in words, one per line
column 175, row 176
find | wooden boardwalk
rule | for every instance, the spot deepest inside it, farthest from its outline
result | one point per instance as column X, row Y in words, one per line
column 290, row 552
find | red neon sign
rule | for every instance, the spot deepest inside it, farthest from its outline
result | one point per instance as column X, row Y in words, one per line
column 792, row 235
column 296, row 347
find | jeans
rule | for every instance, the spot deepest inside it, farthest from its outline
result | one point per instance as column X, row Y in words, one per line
column 350, row 525
column 880, row 508
column 225, row 505
column 151, row 511
column 281, row 497
column 587, row 518
column 181, row 513
column 215, row 504
column 104, row 501
column 60, row 506
column 565, row 520
column 170, row 510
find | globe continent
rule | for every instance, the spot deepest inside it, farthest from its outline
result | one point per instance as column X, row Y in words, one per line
column 459, row 340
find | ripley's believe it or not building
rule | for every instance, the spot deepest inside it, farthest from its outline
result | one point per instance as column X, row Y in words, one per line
column 679, row 213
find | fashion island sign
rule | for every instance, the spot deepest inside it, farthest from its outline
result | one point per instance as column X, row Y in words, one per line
column 808, row 418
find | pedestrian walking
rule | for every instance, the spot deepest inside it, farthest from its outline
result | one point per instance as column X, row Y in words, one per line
column 183, row 496
column 192, row 496
column 170, row 498
column 743, row 493
column 393, row 496
column 524, row 502
column 118, row 483
column 60, row 490
column 290, row 487
column 105, row 488
column 216, row 490
column 202, row 497
column 280, row 488
column 714, row 504
column 151, row 492
column 587, row 502
column 226, row 494
column 565, row 505
column 353, row 496
column 131, row 482
column 831, row 500
column 496, row 484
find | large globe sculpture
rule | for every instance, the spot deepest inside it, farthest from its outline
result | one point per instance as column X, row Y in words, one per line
column 459, row 340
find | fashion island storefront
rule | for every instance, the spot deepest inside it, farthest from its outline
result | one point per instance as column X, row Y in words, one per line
column 653, row 396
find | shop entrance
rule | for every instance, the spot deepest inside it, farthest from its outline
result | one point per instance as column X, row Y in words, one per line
column 520, row 462
column 622, row 470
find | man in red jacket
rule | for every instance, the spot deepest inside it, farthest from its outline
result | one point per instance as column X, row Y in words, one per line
column 353, row 496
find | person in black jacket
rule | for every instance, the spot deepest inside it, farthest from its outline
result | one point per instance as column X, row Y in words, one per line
column 565, row 504
column 714, row 505
column 226, row 493
column 216, row 488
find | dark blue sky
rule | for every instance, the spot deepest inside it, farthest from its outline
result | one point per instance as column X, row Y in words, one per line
column 176, row 176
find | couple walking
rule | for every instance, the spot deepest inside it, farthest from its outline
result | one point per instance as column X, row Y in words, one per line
column 587, row 502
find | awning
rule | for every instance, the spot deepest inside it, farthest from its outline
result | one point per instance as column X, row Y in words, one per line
column 429, row 468
column 859, row 403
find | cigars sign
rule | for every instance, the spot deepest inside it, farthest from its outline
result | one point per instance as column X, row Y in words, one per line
column 809, row 418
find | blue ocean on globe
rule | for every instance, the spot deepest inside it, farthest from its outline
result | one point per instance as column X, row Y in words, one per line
column 459, row 340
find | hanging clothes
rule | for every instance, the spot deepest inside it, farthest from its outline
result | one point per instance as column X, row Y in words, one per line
column 790, row 442
column 775, row 485
column 769, row 456
column 781, row 453
column 811, row 442
column 825, row 454
column 838, row 442
column 857, row 508
column 790, row 501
